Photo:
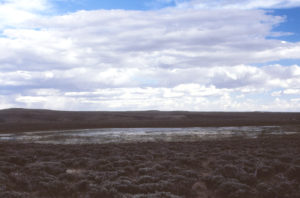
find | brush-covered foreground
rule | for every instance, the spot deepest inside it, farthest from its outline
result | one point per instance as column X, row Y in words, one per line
column 267, row 167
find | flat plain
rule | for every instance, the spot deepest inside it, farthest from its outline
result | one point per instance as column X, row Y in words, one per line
column 20, row 120
column 263, row 167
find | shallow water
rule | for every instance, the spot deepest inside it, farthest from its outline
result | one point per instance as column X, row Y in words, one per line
column 86, row 136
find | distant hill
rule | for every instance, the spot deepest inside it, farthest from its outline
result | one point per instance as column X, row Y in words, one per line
column 19, row 120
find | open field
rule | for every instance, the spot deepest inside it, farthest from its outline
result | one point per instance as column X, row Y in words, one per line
column 265, row 167
column 20, row 120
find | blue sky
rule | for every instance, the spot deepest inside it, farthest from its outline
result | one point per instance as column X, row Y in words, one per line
column 71, row 6
column 291, row 24
column 197, row 55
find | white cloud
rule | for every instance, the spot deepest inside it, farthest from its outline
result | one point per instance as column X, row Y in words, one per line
column 276, row 93
column 166, row 59
column 156, row 98
column 217, row 88
column 239, row 4
column 164, row 38
column 15, row 12
column 292, row 91
column 4, row 102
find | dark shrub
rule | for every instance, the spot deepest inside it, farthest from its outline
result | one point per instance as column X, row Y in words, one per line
column 175, row 169
column 231, row 188
column 101, row 162
column 149, row 187
column 81, row 186
column 180, row 185
column 121, row 163
column 70, row 177
column 53, row 168
column 297, row 160
column 55, row 189
column 106, row 167
column 264, row 171
column 265, row 191
column 159, row 167
column 146, row 179
column 246, row 178
column 13, row 194
column 7, row 168
column 128, row 170
column 166, row 164
column 294, row 173
column 20, row 181
column 102, row 192
column 229, row 170
column 157, row 195
column 177, row 178
column 129, row 188
column 186, row 161
column 18, row 160
column 3, row 178
column 145, row 171
column 212, row 182
column 284, row 188
column 243, row 193
column 140, row 157
column 279, row 166
column 229, row 156
column 189, row 174
column 68, row 162
column 286, row 158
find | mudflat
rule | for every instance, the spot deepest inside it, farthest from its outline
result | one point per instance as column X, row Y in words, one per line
column 264, row 167
column 21, row 120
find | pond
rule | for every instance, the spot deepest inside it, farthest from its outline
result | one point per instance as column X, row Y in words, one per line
column 126, row 135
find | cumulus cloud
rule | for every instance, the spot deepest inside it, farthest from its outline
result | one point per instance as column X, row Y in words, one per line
column 167, row 59
column 164, row 38
column 211, row 88
column 15, row 12
column 292, row 91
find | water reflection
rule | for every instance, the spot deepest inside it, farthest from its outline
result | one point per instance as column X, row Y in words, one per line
column 141, row 134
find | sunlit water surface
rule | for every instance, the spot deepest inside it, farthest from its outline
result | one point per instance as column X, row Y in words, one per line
column 124, row 135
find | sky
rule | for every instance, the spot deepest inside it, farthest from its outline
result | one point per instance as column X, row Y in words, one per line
column 116, row 55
